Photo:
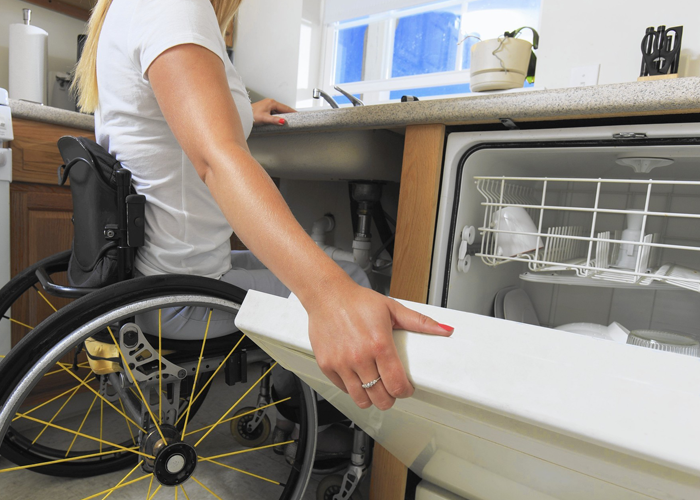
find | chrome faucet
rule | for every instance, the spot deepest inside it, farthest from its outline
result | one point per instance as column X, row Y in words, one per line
column 318, row 93
column 354, row 100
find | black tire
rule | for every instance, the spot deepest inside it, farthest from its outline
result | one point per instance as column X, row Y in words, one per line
column 40, row 350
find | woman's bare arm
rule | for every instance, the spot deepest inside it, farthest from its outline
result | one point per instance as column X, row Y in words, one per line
column 350, row 327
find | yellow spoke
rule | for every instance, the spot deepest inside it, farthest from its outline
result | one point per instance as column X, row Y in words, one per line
column 244, row 472
column 176, row 493
column 160, row 369
column 213, row 375
column 18, row 322
column 239, row 416
column 103, row 398
column 148, row 495
column 236, row 403
column 85, row 436
column 45, row 299
column 128, row 425
column 82, row 424
column 51, row 400
column 75, row 391
column 102, row 412
column 196, row 376
column 80, row 365
column 239, row 452
column 155, row 492
column 184, row 492
column 71, row 459
column 128, row 483
column 145, row 401
column 123, row 479
column 199, row 483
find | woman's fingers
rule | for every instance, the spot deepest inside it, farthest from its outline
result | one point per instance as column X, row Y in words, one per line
column 393, row 374
column 264, row 112
column 408, row 319
column 377, row 393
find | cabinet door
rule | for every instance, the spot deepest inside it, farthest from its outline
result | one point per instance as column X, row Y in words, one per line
column 35, row 157
column 40, row 226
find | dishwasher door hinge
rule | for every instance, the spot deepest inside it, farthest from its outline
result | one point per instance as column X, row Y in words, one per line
column 509, row 123
column 629, row 135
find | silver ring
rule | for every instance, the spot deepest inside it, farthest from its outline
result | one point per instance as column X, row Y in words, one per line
column 372, row 383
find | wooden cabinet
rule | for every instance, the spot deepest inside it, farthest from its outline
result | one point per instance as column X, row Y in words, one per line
column 40, row 210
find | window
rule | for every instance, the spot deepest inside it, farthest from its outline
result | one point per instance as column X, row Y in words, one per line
column 422, row 50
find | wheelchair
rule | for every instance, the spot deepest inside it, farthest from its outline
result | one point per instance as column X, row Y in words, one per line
column 88, row 392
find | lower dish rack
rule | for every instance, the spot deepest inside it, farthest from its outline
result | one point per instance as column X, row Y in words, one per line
column 594, row 232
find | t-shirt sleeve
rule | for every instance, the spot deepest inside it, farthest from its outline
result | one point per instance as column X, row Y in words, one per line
column 159, row 25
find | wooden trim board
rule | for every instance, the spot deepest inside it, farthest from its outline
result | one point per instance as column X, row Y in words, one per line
column 413, row 250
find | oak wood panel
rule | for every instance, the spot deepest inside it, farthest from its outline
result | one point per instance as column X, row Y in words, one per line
column 413, row 249
column 79, row 9
column 35, row 156
column 40, row 226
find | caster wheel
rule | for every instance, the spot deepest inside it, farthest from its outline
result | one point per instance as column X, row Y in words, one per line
column 330, row 486
column 239, row 429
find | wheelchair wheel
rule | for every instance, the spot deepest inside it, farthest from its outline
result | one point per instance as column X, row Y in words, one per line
column 128, row 405
column 23, row 301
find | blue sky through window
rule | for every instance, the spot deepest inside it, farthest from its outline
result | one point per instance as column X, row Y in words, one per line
column 350, row 54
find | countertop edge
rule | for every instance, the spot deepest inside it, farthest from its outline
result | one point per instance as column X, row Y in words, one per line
column 676, row 96
column 55, row 116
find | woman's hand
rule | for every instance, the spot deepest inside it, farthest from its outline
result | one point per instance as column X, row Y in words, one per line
column 351, row 335
column 264, row 112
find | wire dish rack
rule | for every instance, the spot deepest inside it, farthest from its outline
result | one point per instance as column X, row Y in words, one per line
column 578, row 232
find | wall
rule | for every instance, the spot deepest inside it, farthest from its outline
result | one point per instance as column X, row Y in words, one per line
column 610, row 33
column 63, row 33
column 266, row 47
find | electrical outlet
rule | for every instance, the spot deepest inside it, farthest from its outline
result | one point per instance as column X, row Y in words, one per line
column 584, row 76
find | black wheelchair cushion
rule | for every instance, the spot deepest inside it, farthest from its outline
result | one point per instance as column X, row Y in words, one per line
column 92, row 174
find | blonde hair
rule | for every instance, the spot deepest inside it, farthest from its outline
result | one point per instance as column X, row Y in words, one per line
column 85, row 80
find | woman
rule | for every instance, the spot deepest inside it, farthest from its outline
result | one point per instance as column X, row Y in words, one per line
column 170, row 106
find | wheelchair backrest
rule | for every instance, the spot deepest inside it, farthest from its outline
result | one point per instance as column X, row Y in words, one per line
column 108, row 217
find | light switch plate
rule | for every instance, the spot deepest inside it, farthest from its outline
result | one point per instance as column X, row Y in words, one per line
column 583, row 76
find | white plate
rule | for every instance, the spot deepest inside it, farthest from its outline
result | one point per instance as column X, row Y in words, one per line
column 517, row 306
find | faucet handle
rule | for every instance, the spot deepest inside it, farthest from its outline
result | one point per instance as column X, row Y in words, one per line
column 354, row 100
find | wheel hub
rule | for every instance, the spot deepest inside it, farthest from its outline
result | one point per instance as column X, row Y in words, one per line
column 174, row 462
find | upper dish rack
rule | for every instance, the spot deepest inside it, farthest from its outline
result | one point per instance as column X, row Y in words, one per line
column 579, row 231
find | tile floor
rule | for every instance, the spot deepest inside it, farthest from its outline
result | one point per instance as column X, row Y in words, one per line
column 224, row 483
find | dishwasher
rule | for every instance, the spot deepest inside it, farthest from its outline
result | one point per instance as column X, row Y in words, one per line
column 568, row 261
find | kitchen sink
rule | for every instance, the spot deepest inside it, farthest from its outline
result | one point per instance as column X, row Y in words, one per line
column 338, row 155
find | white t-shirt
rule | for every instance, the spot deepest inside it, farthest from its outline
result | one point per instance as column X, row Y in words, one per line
column 185, row 229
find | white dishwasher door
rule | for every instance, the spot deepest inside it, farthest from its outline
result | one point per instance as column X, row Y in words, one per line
column 504, row 410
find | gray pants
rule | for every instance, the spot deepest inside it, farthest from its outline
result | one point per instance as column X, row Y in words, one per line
column 248, row 273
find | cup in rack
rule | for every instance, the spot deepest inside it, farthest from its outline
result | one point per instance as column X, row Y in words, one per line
column 627, row 258
column 520, row 232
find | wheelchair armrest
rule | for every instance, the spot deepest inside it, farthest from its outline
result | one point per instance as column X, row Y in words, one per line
column 58, row 290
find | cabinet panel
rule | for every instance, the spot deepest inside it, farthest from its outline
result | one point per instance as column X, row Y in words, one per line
column 40, row 226
column 35, row 156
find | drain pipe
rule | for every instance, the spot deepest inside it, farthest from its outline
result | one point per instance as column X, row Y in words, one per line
column 361, row 245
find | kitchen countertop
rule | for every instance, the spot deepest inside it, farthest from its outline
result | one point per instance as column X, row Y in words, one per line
column 674, row 96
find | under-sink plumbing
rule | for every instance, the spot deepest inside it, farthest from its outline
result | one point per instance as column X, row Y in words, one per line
column 366, row 195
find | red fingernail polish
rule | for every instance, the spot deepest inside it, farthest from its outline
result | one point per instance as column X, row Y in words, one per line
column 282, row 121
column 447, row 327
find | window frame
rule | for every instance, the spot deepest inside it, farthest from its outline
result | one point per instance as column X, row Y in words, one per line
column 377, row 90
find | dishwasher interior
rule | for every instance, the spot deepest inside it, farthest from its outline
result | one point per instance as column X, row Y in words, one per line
column 605, row 231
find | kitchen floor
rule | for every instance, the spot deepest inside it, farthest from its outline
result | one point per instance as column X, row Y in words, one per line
column 224, row 483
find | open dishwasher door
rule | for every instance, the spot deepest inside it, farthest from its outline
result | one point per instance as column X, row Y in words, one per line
column 505, row 410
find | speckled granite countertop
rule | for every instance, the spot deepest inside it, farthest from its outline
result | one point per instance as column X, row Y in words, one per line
column 681, row 95
column 47, row 114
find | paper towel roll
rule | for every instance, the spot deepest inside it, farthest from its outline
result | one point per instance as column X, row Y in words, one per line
column 29, row 47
